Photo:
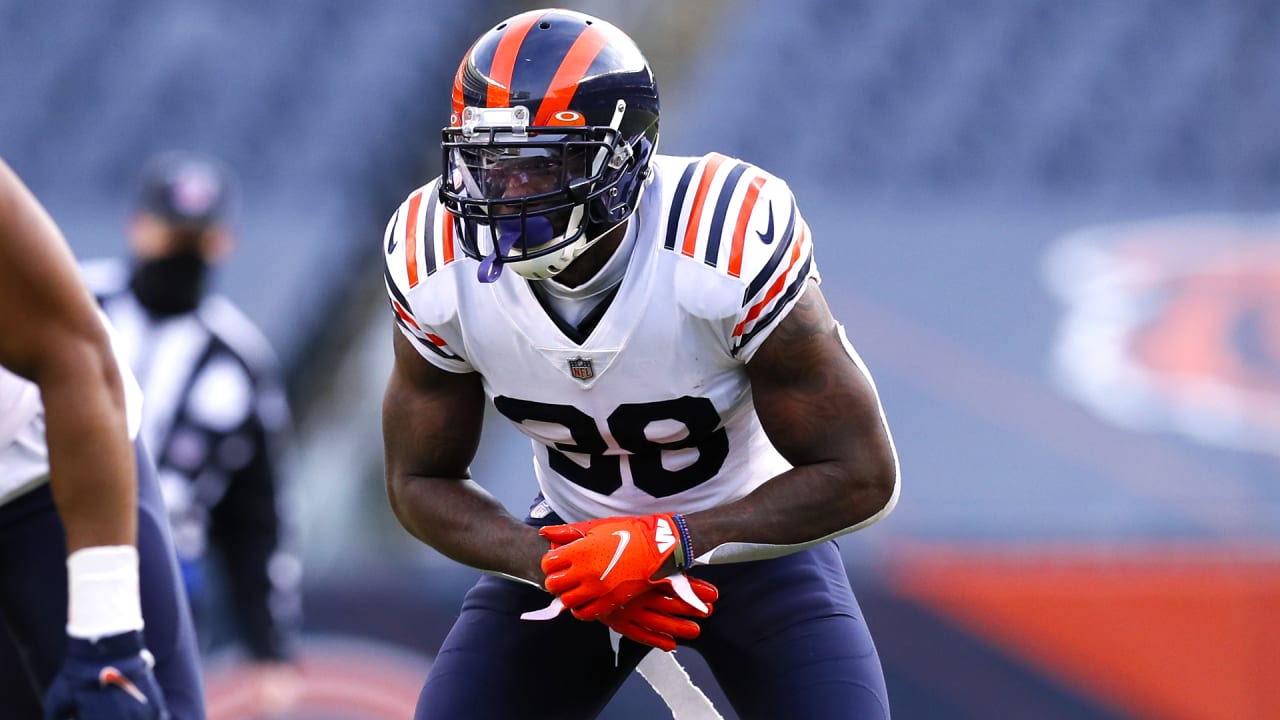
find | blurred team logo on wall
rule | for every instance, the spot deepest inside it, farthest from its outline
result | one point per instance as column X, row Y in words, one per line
column 1174, row 325
column 342, row 678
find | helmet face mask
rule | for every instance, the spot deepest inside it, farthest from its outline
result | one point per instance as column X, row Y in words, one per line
column 501, row 181
column 537, row 170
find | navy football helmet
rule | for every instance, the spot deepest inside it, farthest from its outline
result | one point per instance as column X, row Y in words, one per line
column 554, row 123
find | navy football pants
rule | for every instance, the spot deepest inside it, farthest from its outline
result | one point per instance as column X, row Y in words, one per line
column 33, row 602
column 786, row 640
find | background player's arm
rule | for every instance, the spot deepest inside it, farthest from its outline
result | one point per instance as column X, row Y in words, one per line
column 51, row 334
column 822, row 413
column 431, row 423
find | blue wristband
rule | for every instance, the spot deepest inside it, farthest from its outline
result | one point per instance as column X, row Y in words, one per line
column 686, row 546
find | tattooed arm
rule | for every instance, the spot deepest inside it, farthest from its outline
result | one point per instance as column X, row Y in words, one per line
column 822, row 413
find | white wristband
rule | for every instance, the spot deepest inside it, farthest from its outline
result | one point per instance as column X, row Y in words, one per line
column 102, row 591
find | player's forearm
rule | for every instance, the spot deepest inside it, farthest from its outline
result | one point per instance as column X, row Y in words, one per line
column 92, row 470
column 51, row 335
column 793, row 510
column 464, row 522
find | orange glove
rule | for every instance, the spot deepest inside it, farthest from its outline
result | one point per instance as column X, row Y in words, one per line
column 596, row 566
column 657, row 617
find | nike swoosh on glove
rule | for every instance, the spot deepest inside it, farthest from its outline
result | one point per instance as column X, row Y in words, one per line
column 659, row 618
column 109, row 679
column 596, row 566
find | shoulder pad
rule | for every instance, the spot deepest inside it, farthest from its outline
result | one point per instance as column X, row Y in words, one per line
column 743, row 225
column 418, row 244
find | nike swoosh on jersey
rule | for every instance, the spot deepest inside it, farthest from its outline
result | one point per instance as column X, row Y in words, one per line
column 624, row 537
column 766, row 237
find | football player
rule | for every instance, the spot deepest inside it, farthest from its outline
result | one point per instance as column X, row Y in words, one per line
column 701, row 427
column 85, row 555
column 216, row 417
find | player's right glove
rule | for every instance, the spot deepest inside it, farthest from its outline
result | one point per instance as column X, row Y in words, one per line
column 597, row 566
column 659, row 618
column 110, row 679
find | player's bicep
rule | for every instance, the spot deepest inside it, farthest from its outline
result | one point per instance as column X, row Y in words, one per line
column 815, row 401
column 431, row 418
column 48, row 313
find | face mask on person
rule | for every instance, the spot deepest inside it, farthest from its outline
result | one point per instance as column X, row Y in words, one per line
column 171, row 284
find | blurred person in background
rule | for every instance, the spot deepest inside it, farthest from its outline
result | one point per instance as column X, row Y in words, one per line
column 216, row 413
column 90, row 594
column 701, row 427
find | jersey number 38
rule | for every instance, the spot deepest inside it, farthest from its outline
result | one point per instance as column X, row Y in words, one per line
column 628, row 424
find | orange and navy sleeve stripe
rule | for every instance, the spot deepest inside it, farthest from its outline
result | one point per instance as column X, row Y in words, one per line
column 677, row 204
column 693, row 221
column 712, row 254
column 428, row 236
column 712, row 204
column 707, row 189
column 438, row 248
column 421, row 336
column 743, row 222
column 402, row 244
column 411, row 219
column 766, row 273
column 774, row 289
column 738, row 243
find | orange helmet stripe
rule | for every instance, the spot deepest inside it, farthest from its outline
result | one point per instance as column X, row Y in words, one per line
column 459, row 101
column 571, row 71
column 504, row 59
column 699, row 200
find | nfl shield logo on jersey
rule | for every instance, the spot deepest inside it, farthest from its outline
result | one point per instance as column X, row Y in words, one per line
column 580, row 368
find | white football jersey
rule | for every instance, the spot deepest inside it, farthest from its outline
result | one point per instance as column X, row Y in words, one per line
column 650, row 412
column 24, row 454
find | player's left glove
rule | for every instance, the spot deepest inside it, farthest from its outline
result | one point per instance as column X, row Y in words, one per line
column 659, row 617
column 596, row 566
column 109, row 679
